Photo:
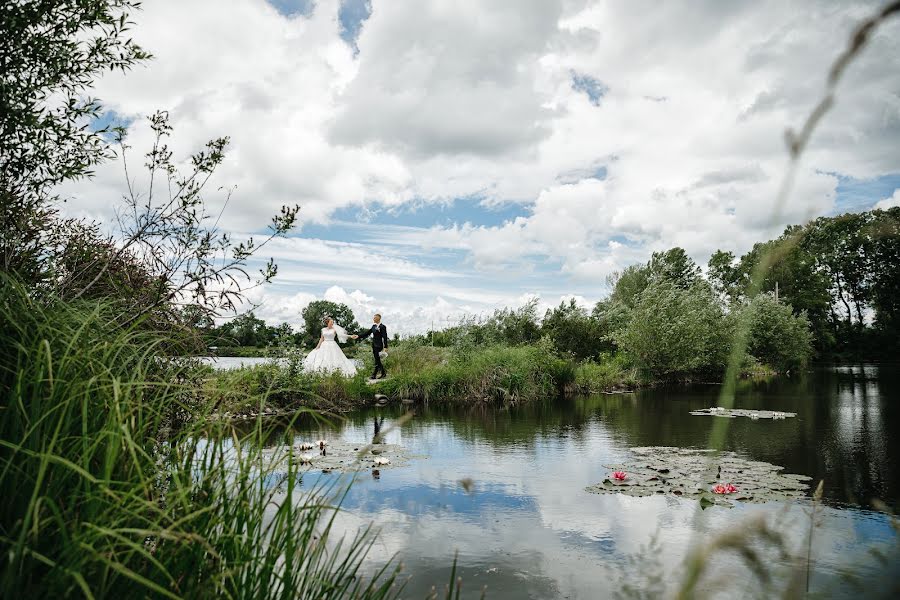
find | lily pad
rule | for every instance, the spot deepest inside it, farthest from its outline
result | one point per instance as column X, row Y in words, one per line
column 694, row 473
column 342, row 457
column 718, row 411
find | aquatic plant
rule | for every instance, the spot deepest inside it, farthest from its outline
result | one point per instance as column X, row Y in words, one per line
column 699, row 474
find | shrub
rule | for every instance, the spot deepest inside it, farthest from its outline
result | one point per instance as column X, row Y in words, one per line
column 575, row 332
column 605, row 374
column 776, row 336
column 674, row 333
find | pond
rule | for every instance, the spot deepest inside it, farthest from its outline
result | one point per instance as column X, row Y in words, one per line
column 506, row 489
column 235, row 362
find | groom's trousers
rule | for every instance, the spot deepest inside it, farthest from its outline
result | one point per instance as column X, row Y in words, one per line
column 376, row 351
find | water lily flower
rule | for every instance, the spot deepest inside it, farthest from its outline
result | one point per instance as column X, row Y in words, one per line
column 724, row 489
column 619, row 475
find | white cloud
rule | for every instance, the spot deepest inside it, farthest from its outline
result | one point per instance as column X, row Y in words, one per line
column 889, row 202
column 473, row 99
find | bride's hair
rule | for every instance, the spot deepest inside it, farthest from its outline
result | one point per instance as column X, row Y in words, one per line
column 327, row 318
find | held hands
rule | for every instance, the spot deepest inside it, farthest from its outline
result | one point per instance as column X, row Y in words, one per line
column 354, row 337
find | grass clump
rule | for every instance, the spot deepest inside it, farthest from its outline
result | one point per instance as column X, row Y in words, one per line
column 113, row 491
column 607, row 374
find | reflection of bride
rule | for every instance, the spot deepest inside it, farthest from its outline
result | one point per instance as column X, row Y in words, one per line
column 327, row 357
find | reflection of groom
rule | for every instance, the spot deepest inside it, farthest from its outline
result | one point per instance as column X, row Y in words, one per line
column 379, row 342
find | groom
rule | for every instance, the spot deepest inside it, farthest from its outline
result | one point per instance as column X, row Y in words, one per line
column 379, row 342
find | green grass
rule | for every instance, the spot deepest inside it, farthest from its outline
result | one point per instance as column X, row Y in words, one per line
column 501, row 375
column 608, row 374
column 111, row 490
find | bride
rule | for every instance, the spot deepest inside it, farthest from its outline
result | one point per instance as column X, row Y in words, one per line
column 327, row 357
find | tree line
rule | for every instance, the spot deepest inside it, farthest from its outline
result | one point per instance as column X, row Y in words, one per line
column 832, row 291
column 247, row 330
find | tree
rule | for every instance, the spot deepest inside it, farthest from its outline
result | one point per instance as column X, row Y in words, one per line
column 725, row 276
column 575, row 332
column 50, row 54
column 628, row 285
column 793, row 272
column 776, row 336
column 510, row 326
column 249, row 330
column 885, row 260
column 166, row 231
column 674, row 332
column 674, row 266
column 314, row 319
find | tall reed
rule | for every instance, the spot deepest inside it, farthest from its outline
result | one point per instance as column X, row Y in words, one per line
column 107, row 493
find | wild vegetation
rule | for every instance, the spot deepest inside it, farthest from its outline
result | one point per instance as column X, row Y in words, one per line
column 119, row 478
column 117, row 485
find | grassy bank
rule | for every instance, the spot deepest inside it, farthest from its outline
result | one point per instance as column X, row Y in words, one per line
column 112, row 494
column 502, row 375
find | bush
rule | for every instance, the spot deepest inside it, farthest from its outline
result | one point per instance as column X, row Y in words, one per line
column 776, row 336
column 676, row 333
column 576, row 333
column 606, row 374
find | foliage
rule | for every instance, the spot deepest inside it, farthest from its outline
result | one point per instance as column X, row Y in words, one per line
column 675, row 332
column 314, row 319
column 607, row 373
column 51, row 53
column 189, row 261
column 673, row 267
column 574, row 332
column 114, row 500
column 776, row 336
column 836, row 270
column 514, row 326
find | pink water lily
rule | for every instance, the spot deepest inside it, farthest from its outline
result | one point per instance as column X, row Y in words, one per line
column 724, row 489
column 619, row 475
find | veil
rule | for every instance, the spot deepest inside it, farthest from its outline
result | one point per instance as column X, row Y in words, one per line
column 342, row 334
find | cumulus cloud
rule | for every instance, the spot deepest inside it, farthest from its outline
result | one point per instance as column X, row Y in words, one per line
column 619, row 129
column 889, row 202
column 407, row 91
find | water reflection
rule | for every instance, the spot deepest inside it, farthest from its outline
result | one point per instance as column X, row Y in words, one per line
column 528, row 528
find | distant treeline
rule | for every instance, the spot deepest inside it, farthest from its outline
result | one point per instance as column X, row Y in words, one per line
column 842, row 272
column 832, row 290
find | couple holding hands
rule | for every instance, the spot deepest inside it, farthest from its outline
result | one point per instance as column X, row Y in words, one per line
column 328, row 357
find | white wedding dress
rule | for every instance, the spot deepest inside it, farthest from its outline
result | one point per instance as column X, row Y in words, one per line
column 328, row 357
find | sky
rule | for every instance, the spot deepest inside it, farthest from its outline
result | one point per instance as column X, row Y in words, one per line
column 453, row 157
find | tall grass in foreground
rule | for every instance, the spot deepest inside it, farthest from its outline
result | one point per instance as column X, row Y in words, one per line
column 107, row 495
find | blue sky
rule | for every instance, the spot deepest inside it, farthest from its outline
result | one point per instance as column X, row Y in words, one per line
column 449, row 162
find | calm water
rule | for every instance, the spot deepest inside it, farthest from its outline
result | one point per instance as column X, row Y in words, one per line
column 528, row 528
column 235, row 362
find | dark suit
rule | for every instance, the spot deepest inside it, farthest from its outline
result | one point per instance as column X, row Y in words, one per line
column 379, row 343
